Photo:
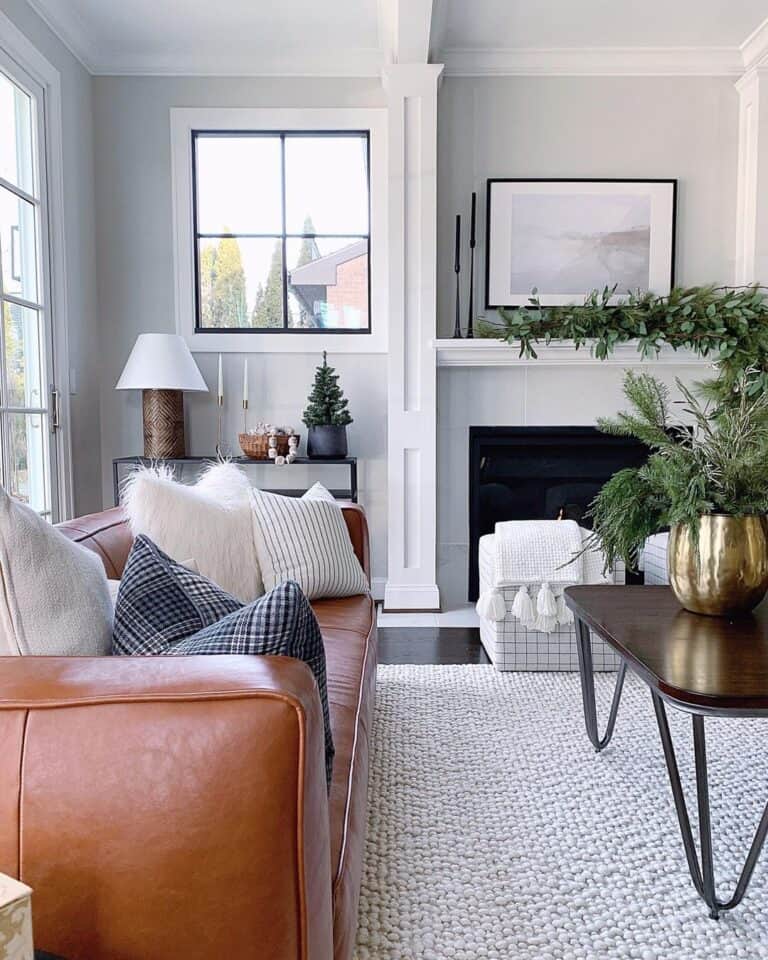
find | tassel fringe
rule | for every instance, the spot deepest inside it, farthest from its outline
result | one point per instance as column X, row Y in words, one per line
column 522, row 607
column 543, row 615
column 564, row 614
column 491, row 606
column 546, row 607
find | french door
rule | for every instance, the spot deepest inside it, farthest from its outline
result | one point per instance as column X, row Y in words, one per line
column 28, row 398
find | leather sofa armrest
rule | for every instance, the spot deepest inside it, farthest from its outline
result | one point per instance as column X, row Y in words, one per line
column 357, row 525
column 167, row 806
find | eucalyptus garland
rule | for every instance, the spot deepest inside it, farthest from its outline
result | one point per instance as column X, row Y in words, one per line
column 728, row 325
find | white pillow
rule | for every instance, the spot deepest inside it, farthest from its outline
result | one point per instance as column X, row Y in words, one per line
column 306, row 541
column 318, row 492
column 54, row 599
column 210, row 521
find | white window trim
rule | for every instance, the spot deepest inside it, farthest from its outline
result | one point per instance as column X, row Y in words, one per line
column 183, row 122
column 16, row 46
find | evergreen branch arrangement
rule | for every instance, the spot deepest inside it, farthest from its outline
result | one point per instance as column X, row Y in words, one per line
column 712, row 458
column 326, row 404
column 727, row 324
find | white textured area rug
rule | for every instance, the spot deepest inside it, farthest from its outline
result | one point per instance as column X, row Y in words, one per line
column 495, row 831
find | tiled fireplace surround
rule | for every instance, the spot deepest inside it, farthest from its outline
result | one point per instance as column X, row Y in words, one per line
column 512, row 394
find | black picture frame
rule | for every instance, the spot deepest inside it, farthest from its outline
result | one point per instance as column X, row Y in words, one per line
column 523, row 301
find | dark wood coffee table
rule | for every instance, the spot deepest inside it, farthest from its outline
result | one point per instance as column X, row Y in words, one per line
column 706, row 666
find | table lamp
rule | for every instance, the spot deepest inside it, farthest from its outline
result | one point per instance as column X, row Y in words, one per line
column 161, row 366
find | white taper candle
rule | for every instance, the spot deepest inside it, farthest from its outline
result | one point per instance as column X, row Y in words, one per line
column 221, row 381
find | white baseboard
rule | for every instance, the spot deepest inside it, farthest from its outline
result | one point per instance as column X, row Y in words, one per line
column 464, row 616
column 408, row 596
column 378, row 585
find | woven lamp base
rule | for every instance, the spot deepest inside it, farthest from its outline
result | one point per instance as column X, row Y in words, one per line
column 163, row 424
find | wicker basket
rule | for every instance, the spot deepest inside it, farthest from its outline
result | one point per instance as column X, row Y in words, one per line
column 256, row 445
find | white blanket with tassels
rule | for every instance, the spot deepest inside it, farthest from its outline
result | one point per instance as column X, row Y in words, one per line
column 540, row 554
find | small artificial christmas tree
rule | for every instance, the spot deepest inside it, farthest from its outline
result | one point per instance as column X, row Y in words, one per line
column 326, row 404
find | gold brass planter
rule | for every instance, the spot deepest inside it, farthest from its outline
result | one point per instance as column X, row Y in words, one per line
column 726, row 573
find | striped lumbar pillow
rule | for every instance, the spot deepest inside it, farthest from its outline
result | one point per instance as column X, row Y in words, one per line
column 306, row 541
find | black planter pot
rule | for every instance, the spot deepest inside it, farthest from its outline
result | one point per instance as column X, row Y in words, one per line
column 327, row 442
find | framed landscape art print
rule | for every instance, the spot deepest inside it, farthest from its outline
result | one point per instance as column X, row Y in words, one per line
column 566, row 238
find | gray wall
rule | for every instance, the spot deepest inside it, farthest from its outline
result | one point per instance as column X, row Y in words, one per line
column 84, row 352
column 567, row 127
column 136, row 286
column 684, row 127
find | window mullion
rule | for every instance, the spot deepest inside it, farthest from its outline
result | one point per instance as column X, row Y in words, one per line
column 284, row 241
column 19, row 192
column 330, row 294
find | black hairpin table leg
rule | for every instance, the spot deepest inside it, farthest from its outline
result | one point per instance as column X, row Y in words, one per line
column 703, row 876
column 586, row 671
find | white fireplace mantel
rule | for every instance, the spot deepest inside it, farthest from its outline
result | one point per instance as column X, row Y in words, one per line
column 494, row 353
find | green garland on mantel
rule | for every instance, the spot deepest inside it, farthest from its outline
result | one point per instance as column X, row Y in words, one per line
column 728, row 325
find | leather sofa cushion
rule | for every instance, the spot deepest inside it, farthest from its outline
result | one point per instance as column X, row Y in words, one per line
column 348, row 628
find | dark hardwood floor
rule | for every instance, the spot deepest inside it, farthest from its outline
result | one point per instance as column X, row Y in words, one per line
column 430, row 645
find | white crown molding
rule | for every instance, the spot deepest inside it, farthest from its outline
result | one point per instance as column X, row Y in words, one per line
column 328, row 64
column 593, row 61
column 73, row 33
column 70, row 30
column 754, row 50
column 459, row 61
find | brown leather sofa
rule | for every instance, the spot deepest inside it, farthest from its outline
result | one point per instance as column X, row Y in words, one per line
column 177, row 807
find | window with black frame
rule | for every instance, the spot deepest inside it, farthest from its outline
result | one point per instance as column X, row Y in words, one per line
column 282, row 231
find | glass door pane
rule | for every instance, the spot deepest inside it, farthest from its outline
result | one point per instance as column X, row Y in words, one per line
column 16, row 152
column 24, row 353
column 27, row 442
column 27, row 454
column 18, row 246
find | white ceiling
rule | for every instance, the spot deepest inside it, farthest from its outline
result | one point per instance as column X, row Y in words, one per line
column 344, row 37
column 217, row 36
column 600, row 23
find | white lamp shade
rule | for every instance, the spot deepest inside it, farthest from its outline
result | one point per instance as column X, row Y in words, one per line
column 160, row 361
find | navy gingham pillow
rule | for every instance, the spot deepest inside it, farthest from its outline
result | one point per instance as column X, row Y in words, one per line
column 164, row 609
column 160, row 602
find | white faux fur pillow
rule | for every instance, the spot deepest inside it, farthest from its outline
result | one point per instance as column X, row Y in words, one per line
column 210, row 521
column 54, row 599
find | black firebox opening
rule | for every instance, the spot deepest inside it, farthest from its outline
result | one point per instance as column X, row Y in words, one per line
column 538, row 473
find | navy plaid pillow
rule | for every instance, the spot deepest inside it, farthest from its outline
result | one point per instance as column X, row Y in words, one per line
column 160, row 602
column 282, row 623
column 163, row 608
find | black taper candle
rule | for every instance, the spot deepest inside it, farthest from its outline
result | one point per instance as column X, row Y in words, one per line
column 457, row 269
column 472, row 225
column 457, row 256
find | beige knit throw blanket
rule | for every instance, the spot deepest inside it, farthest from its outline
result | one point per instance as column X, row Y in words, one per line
column 541, row 554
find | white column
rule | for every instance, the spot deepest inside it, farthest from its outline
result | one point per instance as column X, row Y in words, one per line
column 412, row 408
column 752, row 202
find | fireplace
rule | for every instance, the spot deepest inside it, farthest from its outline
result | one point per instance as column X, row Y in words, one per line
column 536, row 473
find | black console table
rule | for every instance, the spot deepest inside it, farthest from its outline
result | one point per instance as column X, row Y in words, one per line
column 346, row 493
